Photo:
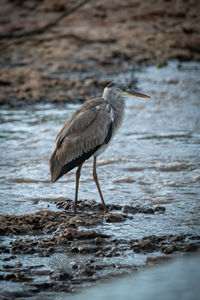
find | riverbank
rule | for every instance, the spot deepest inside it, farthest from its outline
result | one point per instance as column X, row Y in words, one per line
column 73, row 60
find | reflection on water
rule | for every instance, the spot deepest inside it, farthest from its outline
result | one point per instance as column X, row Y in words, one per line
column 153, row 159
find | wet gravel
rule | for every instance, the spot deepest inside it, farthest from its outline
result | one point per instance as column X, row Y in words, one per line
column 45, row 234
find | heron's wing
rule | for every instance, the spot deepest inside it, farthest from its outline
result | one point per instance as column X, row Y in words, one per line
column 80, row 119
column 81, row 136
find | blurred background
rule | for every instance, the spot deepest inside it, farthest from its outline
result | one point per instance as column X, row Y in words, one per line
column 70, row 60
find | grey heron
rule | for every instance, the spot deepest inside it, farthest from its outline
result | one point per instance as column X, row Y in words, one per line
column 88, row 132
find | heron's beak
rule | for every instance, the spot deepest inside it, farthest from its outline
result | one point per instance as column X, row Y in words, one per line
column 137, row 94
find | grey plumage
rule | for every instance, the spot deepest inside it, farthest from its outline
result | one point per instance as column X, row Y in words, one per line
column 87, row 132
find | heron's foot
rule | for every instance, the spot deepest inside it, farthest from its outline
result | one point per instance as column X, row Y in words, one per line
column 75, row 209
column 105, row 209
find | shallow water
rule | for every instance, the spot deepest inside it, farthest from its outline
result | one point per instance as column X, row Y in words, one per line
column 153, row 159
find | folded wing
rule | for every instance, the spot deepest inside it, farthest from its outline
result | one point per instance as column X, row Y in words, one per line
column 82, row 135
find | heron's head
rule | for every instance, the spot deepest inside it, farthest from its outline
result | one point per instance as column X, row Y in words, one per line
column 120, row 90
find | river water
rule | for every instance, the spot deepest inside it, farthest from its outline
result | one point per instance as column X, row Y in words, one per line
column 154, row 159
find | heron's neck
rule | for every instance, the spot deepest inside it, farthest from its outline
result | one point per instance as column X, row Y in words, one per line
column 113, row 97
column 117, row 102
column 118, row 105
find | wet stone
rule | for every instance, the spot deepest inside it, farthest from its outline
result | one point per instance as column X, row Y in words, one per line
column 43, row 285
column 112, row 252
column 99, row 253
column 190, row 247
column 7, row 266
column 98, row 267
column 93, row 222
column 84, row 249
column 160, row 209
column 75, row 221
column 62, row 276
column 129, row 209
column 170, row 249
column 111, row 218
column 144, row 245
column 87, row 272
column 45, row 244
column 98, row 240
column 155, row 260
column 142, row 209
column 9, row 258
column 74, row 266
column 83, row 235
column 41, row 272
column 167, row 244
column 18, row 294
column 50, row 249
column 66, row 237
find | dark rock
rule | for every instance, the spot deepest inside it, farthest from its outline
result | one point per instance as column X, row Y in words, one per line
column 167, row 244
column 130, row 209
column 190, row 247
column 111, row 218
column 44, row 286
column 99, row 253
column 98, row 240
column 170, row 249
column 140, row 209
column 50, row 249
column 98, row 267
column 9, row 258
column 87, row 271
column 160, row 209
column 72, row 234
column 112, row 252
column 147, row 244
column 74, row 250
column 17, row 294
column 10, row 276
column 177, row 238
column 62, row 276
column 7, row 266
column 155, row 260
column 83, row 249
column 149, row 211
column 75, row 266
column 45, row 244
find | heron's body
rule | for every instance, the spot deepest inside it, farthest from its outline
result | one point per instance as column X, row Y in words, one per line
column 87, row 133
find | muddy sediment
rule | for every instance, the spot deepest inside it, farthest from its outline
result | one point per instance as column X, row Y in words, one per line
column 73, row 60
column 47, row 233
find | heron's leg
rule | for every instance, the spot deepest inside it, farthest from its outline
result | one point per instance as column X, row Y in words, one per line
column 78, row 174
column 97, row 183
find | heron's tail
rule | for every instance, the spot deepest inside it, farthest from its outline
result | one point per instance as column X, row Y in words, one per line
column 58, row 168
column 55, row 166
